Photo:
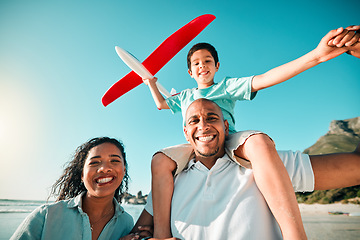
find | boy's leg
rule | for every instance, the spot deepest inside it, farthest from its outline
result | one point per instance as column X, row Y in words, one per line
column 273, row 181
column 336, row 170
column 162, row 168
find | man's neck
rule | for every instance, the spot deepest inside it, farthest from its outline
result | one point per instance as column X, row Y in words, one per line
column 208, row 162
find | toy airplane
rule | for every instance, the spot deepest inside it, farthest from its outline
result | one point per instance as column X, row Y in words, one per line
column 159, row 57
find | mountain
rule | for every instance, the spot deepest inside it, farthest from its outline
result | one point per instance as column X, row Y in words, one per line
column 343, row 136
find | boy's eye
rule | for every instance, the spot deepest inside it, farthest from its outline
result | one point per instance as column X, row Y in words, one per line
column 116, row 160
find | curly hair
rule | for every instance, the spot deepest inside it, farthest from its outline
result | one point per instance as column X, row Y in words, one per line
column 69, row 185
column 200, row 46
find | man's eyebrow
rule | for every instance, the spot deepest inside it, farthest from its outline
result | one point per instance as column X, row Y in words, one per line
column 208, row 114
column 213, row 114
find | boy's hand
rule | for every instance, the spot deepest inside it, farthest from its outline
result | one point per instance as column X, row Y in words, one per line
column 150, row 82
column 325, row 51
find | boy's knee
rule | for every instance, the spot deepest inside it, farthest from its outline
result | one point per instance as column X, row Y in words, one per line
column 260, row 140
column 161, row 162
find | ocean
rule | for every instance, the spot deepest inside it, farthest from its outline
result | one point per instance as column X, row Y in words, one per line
column 13, row 212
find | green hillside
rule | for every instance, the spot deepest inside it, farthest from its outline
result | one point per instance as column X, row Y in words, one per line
column 332, row 144
column 343, row 136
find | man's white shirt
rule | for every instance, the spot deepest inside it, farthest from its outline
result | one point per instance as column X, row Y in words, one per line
column 224, row 202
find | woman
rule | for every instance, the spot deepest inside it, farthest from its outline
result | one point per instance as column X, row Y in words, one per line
column 89, row 192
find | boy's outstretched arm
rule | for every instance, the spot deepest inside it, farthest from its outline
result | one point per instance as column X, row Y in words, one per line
column 322, row 53
column 158, row 98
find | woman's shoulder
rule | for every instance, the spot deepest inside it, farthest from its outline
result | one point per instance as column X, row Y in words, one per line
column 127, row 215
column 42, row 210
column 123, row 215
column 57, row 205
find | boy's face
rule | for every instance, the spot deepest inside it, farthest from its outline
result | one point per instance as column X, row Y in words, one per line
column 203, row 68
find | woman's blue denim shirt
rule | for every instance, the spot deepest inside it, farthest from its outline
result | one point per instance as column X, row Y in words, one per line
column 66, row 220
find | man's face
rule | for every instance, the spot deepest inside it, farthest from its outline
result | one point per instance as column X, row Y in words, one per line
column 205, row 129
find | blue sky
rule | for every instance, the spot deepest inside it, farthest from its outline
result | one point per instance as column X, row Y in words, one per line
column 57, row 59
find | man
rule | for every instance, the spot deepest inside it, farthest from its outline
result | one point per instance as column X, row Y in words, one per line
column 215, row 198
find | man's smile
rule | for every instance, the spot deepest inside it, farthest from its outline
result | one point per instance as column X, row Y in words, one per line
column 205, row 138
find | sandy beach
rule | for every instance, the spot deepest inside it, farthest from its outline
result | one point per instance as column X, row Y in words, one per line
column 311, row 209
column 319, row 224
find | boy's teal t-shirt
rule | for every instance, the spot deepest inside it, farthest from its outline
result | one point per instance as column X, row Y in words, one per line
column 224, row 93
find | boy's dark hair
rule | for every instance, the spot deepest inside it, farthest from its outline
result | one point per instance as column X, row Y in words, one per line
column 200, row 46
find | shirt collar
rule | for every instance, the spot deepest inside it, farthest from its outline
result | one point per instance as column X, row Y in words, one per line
column 77, row 202
column 192, row 163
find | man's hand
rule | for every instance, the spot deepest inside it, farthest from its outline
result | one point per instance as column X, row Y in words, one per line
column 349, row 39
column 131, row 236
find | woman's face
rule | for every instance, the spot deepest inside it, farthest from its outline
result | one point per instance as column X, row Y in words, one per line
column 104, row 169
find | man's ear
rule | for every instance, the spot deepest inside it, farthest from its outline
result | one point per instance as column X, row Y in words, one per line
column 217, row 66
column 226, row 123
column 185, row 133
